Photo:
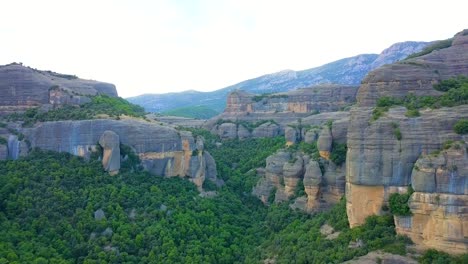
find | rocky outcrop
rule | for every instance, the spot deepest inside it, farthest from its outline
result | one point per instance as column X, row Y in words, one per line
column 378, row 163
column 320, row 98
column 162, row 150
column 23, row 87
column 110, row 144
column 382, row 153
column 439, row 205
column 324, row 143
column 277, row 124
column 416, row 75
column 295, row 175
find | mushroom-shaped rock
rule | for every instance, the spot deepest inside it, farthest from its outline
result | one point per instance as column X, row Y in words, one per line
column 110, row 143
column 290, row 134
column 292, row 172
column 324, row 143
column 312, row 181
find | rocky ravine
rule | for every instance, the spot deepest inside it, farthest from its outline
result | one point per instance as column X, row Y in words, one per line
column 24, row 87
column 379, row 163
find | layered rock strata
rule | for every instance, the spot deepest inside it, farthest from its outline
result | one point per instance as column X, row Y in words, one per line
column 162, row 150
column 439, row 204
column 23, row 87
column 382, row 153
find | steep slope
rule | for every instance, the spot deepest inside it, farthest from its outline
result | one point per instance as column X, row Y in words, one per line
column 383, row 149
column 24, row 87
column 348, row 71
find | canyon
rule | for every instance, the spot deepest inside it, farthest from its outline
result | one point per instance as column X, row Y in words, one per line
column 335, row 145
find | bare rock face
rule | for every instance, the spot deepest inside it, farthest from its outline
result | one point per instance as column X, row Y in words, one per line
column 110, row 143
column 312, row 185
column 386, row 155
column 417, row 75
column 311, row 136
column 380, row 163
column 227, row 130
column 291, row 135
column 266, row 130
column 243, row 132
column 439, row 205
column 324, row 142
column 321, row 98
column 23, row 87
column 316, row 103
column 162, row 150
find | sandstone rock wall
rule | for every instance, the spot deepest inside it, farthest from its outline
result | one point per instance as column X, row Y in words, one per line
column 162, row 150
column 320, row 98
column 23, row 87
column 382, row 153
column 439, row 205
column 416, row 75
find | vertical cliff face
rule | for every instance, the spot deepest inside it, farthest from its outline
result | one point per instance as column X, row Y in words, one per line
column 416, row 75
column 320, row 98
column 382, row 153
column 439, row 205
column 23, row 87
column 162, row 150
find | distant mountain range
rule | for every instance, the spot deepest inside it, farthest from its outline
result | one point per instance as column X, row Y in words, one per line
column 348, row 71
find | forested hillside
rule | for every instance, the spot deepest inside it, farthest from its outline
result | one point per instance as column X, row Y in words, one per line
column 58, row 208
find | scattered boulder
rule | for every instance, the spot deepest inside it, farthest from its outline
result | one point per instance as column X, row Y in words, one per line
column 99, row 215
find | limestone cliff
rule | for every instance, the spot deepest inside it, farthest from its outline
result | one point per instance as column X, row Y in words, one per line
column 320, row 98
column 23, row 87
column 249, row 115
column 162, row 150
column 416, row 75
column 439, row 205
column 382, row 153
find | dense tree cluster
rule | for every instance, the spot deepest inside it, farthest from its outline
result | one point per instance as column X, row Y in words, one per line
column 58, row 208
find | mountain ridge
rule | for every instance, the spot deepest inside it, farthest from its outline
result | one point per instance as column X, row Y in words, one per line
column 347, row 71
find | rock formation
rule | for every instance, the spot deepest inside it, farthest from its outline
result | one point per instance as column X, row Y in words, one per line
column 416, row 75
column 23, row 87
column 439, row 205
column 162, row 150
column 382, row 153
column 320, row 98
column 110, row 143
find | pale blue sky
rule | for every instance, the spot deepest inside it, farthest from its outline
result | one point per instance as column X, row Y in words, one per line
column 146, row 46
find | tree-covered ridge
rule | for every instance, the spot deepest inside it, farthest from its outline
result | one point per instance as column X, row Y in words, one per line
column 441, row 44
column 99, row 105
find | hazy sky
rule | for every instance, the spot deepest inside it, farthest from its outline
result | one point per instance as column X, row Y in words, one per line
column 145, row 46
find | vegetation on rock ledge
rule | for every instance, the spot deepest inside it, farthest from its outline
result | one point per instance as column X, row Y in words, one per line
column 99, row 105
